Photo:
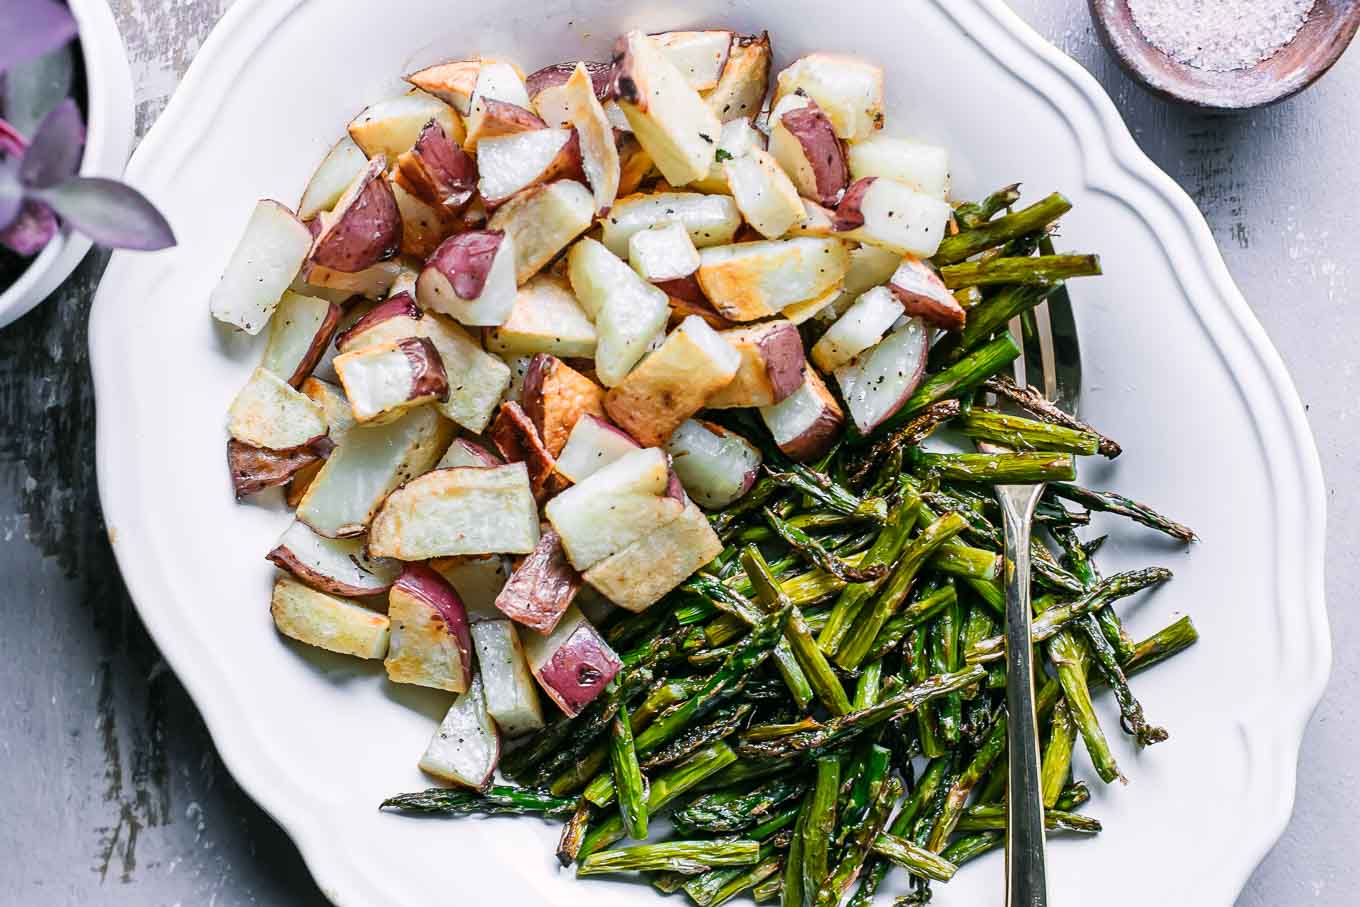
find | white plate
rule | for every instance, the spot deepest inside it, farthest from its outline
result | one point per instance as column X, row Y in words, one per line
column 1176, row 368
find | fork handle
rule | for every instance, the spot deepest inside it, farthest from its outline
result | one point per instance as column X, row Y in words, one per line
column 1026, row 878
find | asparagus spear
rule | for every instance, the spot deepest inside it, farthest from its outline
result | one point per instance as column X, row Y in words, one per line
column 735, row 604
column 1054, row 619
column 993, row 818
column 1033, row 400
column 770, row 888
column 911, row 434
column 1057, row 760
column 767, row 865
column 924, row 792
column 662, row 696
column 967, row 562
column 862, row 782
column 1045, row 270
column 856, row 645
column 917, row 669
column 1001, row 468
column 827, row 492
column 1072, row 662
column 822, row 679
column 914, row 858
column 749, row 655
column 885, row 550
column 948, row 626
column 664, row 789
column 971, row 215
column 573, row 834
column 857, row 850
column 993, row 233
column 1160, row 646
column 993, row 313
column 1109, row 502
column 573, row 733
column 791, row 895
column 718, row 885
column 628, row 781
column 730, row 811
column 818, row 556
column 1073, row 796
column 1130, row 709
column 1019, row 433
column 673, row 856
column 820, row 824
column 1079, row 559
column 846, row 727
column 959, row 378
column 914, row 614
column 766, row 489
column 973, row 775
column 497, row 800
column 726, row 721
column 971, row 847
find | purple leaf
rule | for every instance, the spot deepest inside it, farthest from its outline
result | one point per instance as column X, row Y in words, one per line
column 31, row 231
column 32, row 28
column 11, row 142
column 54, row 153
column 108, row 212
column 34, row 89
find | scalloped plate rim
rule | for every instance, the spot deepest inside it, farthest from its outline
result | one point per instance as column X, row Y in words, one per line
column 1127, row 165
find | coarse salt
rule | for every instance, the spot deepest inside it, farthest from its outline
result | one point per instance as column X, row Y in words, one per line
column 1220, row 35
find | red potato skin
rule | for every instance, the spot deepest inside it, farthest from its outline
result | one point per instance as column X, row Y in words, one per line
column 542, row 587
column 428, row 378
column 253, row 469
column 559, row 73
column 504, row 118
column 848, row 215
column 466, row 259
column 556, row 396
column 284, row 559
column 579, row 670
column 682, row 309
column 398, row 306
column 318, row 347
column 422, row 582
column 518, row 440
column 785, row 365
column 478, row 451
column 685, row 288
column 823, row 150
column 366, row 232
column 930, row 299
column 674, row 489
column 437, row 171
column 818, row 437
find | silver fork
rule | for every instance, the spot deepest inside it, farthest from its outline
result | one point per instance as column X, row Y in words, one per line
column 1049, row 339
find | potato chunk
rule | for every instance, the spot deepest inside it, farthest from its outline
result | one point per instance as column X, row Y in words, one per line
column 327, row 621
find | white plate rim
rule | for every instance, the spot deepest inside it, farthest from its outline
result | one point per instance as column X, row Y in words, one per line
column 1113, row 164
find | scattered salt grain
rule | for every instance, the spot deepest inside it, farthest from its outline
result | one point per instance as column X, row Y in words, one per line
column 1220, row 35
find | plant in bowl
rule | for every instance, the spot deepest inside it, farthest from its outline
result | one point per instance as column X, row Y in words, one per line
column 42, row 142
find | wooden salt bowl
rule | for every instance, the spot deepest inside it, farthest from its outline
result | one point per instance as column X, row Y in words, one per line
column 1301, row 62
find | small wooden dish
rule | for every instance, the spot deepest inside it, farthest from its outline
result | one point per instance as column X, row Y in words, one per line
column 1323, row 38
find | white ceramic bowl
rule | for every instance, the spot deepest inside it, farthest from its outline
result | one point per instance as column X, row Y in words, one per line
column 109, row 127
column 1176, row 368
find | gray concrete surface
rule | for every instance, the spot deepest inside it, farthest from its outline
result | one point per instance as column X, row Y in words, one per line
column 111, row 789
